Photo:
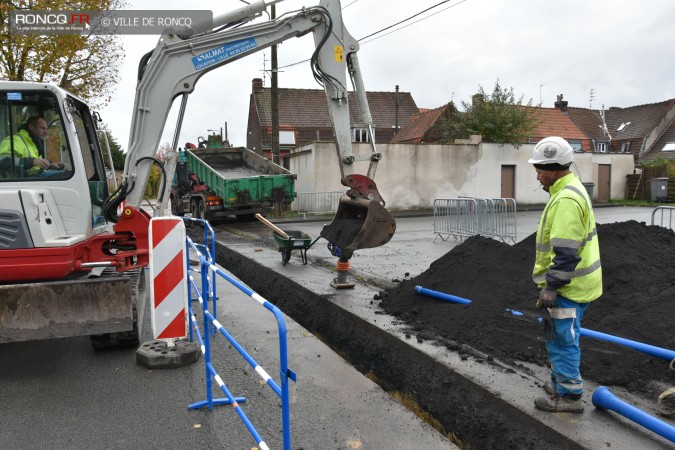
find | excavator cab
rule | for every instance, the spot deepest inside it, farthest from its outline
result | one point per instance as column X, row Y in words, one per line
column 361, row 221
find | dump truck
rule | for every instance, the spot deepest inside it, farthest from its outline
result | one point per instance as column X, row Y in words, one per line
column 214, row 181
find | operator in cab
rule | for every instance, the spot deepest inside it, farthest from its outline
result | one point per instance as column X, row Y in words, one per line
column 27, row 142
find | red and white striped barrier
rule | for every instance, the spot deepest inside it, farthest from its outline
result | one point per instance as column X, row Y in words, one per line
column 168, row 273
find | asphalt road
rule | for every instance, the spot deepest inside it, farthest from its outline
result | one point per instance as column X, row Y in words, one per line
column 61, row 394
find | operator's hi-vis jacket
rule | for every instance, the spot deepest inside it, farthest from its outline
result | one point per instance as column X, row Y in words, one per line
column 567, row 250
column 24, row 147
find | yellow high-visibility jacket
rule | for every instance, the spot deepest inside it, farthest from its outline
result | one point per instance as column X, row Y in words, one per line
column 567, row 249
column 24, row 146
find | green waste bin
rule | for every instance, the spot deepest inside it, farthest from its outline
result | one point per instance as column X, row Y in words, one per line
column 659, row 189
column 589, row 188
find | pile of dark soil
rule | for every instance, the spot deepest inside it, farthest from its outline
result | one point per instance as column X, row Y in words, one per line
column 638, row 303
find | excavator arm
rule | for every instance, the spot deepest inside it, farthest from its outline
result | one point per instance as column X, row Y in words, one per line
column 182, row 57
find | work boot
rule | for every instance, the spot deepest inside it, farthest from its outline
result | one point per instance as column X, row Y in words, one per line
column 549, row 388
column 558, row 403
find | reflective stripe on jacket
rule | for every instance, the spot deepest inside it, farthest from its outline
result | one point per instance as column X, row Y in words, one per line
column 567, row 250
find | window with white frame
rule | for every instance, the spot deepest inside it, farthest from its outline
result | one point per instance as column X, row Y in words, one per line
column 360, row 135
column 625, row 147
column 286, row 137
column 601, row 147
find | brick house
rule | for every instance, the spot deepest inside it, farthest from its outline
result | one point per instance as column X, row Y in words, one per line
column 554, row 122
column 304, row 117
column 424, row 127
column 641, row 130
column 646, row 131
column 661, row 143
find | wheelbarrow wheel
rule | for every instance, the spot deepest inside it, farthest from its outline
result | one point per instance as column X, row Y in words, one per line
column 285, row 255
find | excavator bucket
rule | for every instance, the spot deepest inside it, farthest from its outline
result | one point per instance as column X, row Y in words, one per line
column 359, row 223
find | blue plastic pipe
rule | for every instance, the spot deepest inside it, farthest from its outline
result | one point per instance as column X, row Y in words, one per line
column 603, row 398
column 441, row 295
column 645, row 348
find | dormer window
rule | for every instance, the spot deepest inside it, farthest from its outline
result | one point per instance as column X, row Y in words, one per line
column 576, row 145
column 623, row 126
column 602, row 147
column 360, row 135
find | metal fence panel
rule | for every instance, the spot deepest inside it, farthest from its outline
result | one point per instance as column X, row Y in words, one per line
column 469, row 216
column 318, row 202
column 666, row 222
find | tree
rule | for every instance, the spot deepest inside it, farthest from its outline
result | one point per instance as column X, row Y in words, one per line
column 86, row 65
column 116, row 152
column 498, row 117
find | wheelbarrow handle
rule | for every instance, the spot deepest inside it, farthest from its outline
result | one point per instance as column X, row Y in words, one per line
column 276, row 229
column 310, row 245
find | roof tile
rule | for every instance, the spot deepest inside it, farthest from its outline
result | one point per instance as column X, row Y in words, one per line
column 305, row 108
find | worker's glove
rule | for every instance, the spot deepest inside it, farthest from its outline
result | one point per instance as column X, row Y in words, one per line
column 547, row 297
column 549, row 328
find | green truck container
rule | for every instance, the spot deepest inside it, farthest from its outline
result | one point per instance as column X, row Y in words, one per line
column 213, row 183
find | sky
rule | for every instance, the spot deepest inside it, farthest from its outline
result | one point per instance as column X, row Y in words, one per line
column 593, row 52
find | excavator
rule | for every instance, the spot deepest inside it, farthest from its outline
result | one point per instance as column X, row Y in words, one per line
column 72, row 254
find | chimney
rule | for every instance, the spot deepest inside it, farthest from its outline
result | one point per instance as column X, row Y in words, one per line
column 561, row 104
column 257, row 84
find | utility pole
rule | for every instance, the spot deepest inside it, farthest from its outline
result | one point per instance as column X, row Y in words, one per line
column 275, row 110
column 396, row 118
column 275, row 99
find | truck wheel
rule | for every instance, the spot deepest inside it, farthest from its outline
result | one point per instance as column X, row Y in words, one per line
column 197, row 209
column 201, row 210
column 174, row 208
column 131, row 338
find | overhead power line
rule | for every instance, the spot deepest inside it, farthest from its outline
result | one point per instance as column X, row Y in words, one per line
column 344, row 7
column 363, row 41
column 391, row 26
column 404, row 20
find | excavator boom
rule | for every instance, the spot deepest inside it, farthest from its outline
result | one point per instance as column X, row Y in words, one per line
column 63, row 226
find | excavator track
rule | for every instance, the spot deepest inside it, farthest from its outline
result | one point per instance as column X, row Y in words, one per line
column 131, row 338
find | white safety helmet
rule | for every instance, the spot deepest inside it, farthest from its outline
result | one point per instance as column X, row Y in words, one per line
column 552, row 150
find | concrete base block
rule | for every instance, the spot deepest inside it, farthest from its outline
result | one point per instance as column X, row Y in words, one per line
column 156, row 354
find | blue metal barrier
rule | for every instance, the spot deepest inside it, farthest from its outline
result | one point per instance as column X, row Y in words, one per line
column 206, row 291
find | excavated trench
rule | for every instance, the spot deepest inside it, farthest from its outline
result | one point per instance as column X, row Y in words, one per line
column 637, row 304
column 465, row 412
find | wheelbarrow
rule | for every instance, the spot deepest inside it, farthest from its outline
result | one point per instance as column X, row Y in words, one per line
column 289, row 241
